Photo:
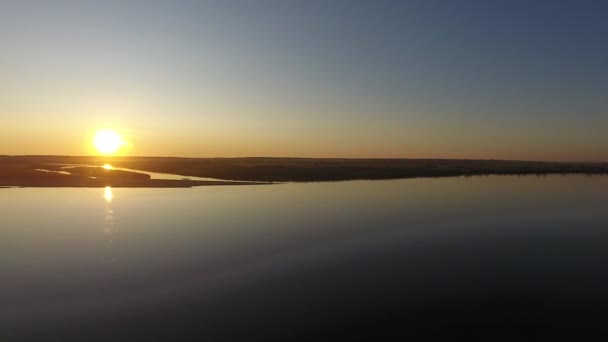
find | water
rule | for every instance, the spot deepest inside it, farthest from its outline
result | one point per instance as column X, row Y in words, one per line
column 496, row 255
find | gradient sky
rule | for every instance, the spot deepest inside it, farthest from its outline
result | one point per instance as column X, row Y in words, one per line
column 438, row 79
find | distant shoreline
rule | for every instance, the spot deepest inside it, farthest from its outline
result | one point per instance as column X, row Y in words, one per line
column 24, row 170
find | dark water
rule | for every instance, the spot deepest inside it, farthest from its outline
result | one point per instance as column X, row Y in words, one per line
column 497, row 256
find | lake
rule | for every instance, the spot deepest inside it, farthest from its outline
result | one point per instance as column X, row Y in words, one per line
column 501, row 256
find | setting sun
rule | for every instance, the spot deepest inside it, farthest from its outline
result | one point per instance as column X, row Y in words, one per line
column 107, row 141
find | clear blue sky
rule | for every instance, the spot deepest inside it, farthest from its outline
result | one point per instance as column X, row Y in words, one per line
column 455, row 79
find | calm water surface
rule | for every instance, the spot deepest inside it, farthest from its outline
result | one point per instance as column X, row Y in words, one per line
column 453, row 256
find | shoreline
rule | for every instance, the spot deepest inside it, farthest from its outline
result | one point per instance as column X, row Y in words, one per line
column 131, row 172
column 177, row 184
column 78, row 183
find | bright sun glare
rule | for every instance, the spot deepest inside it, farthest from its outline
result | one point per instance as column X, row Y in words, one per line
column 107, row 141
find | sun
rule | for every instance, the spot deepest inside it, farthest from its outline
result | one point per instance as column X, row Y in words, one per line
column 107, row 141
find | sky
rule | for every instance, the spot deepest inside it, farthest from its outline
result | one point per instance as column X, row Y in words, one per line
column 488, row 79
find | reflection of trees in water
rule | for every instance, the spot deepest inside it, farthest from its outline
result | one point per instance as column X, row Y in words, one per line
column 108, row 220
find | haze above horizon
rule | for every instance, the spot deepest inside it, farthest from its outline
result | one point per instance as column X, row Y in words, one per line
column 512, row 80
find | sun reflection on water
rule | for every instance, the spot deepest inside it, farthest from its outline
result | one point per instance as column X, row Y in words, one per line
column 108, row 226
column 107, row 195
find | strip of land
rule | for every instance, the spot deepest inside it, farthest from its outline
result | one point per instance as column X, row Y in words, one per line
column 25, row 170
column 38, row 172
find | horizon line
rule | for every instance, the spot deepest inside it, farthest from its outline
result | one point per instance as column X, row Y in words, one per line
column 284, row 157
